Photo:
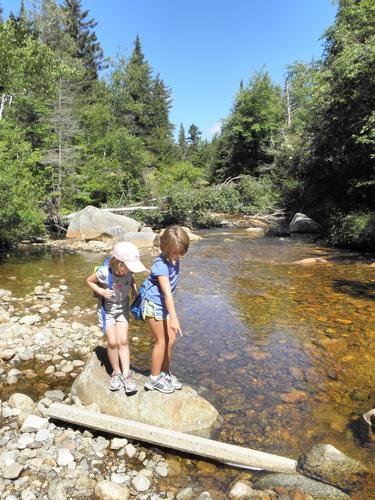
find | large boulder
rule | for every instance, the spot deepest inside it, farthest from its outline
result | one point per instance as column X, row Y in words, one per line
column 326, row 463
column 182, row 411
column 92, row 223
column 143, row 239
column 303, row 224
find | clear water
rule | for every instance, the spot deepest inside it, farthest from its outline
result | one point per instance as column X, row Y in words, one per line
column 286, row 353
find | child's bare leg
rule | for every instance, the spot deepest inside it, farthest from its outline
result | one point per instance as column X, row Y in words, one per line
column 157, row 330
column 170, row 340
column 113, row 348
column 123, row 351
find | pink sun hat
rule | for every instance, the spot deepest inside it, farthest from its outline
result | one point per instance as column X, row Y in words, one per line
column 128, row 253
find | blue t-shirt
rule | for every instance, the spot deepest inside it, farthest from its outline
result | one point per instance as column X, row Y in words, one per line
column 161, row 267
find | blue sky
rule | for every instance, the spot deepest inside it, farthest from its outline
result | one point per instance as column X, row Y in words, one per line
column 202, row 49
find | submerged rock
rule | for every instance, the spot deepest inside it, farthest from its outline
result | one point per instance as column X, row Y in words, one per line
column 328, row 464
column 318, row 490
column 183, row 410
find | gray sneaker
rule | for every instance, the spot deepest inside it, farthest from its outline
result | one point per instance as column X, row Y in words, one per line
column 173, row 380
column 160, row 384
column 115, row 383
column 129, row 384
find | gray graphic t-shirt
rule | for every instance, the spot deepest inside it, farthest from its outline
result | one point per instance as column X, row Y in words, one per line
column 120, row 285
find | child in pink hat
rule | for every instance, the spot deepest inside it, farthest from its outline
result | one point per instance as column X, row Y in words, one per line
column 112, row 282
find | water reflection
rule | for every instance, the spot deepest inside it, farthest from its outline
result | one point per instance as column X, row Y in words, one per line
column 285, row 352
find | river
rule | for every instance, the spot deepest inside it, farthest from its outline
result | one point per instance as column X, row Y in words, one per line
column 285, row 352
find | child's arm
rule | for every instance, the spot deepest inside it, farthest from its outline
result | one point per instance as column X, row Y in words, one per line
column 169, row 303
column 93, row 281
column 133, row 287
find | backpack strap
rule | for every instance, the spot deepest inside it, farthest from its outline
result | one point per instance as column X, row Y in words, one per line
column 110, row 286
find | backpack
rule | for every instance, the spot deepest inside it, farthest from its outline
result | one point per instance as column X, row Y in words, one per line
column 137, row 305
column 110, row 286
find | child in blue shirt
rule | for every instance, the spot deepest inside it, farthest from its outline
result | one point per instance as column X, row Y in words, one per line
column 158, row 308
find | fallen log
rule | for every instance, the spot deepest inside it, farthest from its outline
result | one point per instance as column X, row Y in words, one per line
column 188, row 443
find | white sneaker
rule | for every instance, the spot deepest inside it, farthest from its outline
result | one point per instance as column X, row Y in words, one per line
column 115, row 383
column 129, row 384
column 173, row 380
column 160, row 384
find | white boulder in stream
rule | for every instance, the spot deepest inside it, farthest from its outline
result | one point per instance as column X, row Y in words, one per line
column 93, row 223
column 182, row 411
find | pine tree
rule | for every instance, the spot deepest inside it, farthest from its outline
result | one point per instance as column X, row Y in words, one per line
column 182, row 143
column 1, row 14
column 88, row 48
column 131, row 83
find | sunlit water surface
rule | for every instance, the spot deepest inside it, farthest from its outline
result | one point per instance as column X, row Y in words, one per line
column 285, row 352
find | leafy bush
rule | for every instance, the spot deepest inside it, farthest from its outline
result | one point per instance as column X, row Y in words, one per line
column 353, row 230
column 258, row 195
column 20, row 215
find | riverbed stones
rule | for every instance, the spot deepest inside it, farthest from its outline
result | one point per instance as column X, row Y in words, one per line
column 106, row 490
column 183, row 410
column 241, row 490
column 141, row 483
column 318, row 490
column 33, row 423
column 326, row 463
column 22, row 402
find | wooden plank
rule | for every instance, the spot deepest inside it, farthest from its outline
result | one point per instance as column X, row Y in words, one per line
column 188, row 443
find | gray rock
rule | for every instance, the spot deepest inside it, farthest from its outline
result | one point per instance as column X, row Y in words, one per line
column 12, row 471
column 64, row 457
column 185, row 494
column 326, row 463
column 318, row 490
column 141, row 483
column 117, row 443
column 91, row 223
column 241, row 490
column 105, row 490
column 119, row 477
column 30, row 320
column 183, row 410
column 55, row 395
column 303, row 224
column 33, row 423
column 22, row 402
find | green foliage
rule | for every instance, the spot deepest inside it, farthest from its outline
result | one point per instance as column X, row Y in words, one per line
column 252, row 132
column 258, row 195
column 353, row 230
column 182, row 174
column 20, row 196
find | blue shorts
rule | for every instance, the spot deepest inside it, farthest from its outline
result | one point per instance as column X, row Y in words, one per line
column 152, row 310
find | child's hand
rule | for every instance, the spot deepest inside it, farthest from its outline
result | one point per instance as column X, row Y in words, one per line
column 175, row 326
column 106, row 293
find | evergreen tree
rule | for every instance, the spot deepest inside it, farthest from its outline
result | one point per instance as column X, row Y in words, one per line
column 182, row 144
column 132, row 86
column 252, row 132
column 88, row 48
column 1, row 14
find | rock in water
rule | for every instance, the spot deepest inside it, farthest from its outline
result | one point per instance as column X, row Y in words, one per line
column 326, row 463
column 303, row 224
column 182, row 411
column 91, row 223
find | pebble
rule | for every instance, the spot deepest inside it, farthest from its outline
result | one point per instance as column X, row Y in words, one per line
column 141, row 483
column 117, row 443
column 33, row 423
column 105, row 490
column 131, row 451
column 64, row 457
